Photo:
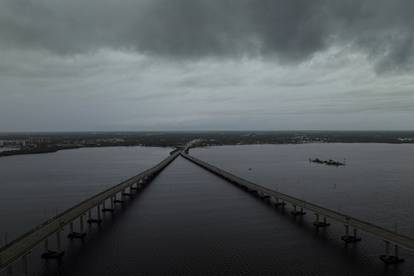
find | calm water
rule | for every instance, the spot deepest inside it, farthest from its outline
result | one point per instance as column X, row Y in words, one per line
column 36, row 187
column 189, row 222
column 377, row 184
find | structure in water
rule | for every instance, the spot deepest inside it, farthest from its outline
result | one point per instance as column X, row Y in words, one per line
column 329, row 162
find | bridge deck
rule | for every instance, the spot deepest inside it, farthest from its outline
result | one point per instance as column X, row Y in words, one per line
column 385, row 234
column 22, row 245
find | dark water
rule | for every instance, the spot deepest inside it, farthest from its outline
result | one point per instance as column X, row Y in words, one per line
column 36, row 187
column 189, row 222
column 377, row 184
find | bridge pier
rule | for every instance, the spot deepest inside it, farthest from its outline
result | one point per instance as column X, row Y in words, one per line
column 25, row 266
column 77, row 235
column 46, row 244
column 350, row 238
column 132, row 188
column 125, row 193
column 320, row 224
column 296, row 212
column 58, row 254
column 98, row 220
column 265, row 197
column 110, row 209
column 278, row 203
column 118, row 201
column 391, row 259
column 141, row 183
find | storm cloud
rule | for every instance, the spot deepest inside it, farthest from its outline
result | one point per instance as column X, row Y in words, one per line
column 288, row 31
column 206, row 64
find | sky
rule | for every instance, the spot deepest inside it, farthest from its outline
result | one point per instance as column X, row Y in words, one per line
column 101, row 65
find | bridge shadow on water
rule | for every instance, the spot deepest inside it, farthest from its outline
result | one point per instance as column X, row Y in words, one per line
column 190, row 222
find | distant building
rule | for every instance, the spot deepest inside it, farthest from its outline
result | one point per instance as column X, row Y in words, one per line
column 13, row 143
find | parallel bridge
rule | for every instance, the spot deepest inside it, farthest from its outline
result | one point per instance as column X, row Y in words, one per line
column 22, row 246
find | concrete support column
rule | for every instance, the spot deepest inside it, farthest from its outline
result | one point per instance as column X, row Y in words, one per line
column 25, row 266
column 50, row 254
column 396, row 251
column 46, row 245
column 320, row 224
column 81, row 234
column 98, row 211
column 388, row 258
column 58, row 241
column 350, row 238
column 81, row 225
column 295, row 212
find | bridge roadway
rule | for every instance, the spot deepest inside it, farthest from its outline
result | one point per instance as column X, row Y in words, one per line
column 22, row 246
column 279, row 198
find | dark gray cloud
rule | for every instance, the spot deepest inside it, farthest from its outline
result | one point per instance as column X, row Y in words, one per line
column 212, row 64
column 289, row 30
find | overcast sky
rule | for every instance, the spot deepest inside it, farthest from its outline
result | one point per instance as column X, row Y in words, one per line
column 206, row 65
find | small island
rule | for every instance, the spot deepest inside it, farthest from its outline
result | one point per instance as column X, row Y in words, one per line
column 329, row 162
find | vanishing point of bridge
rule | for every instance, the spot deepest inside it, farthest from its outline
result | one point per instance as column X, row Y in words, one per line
column 13, row 256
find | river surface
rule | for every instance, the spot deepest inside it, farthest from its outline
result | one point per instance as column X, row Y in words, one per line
column 38, row 186
column 190, row 222
column 377, row 183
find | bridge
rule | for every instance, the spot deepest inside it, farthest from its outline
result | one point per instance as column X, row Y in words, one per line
column 91, row 210
column 22, row 246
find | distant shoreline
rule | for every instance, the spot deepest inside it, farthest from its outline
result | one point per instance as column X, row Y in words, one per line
column 41, row 143
column 53, row 149
column 56, row 149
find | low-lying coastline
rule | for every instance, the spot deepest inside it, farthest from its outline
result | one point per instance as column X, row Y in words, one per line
column 38, row 143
